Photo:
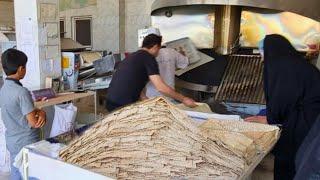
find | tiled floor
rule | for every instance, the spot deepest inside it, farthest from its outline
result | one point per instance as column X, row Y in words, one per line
column 264, row 171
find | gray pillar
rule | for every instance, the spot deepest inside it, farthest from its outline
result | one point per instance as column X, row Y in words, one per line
column 226, row 27
column 122, row 26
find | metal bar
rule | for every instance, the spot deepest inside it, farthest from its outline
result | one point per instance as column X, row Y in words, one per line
column 261, row 92
column 257, row 80
column 231, row 66
column 252, row 80
column 95, row 105
column 260, row 85
column 248, row 80
column 248, row 84
column 260, row 81
column 223, row 82
column 252, row 89
column 233, row 73
column 243, row 80
column 237, row 78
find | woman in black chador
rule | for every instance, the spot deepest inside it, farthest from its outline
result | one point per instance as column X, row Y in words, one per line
column 292, row 91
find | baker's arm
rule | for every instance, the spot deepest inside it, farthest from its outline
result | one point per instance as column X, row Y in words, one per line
column 162, row 87
column 143, row 95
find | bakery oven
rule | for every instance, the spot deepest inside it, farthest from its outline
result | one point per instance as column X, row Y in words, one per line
column 229, row 31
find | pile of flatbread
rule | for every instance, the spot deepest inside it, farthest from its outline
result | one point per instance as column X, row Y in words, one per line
column 243, row 138
column 154, row 140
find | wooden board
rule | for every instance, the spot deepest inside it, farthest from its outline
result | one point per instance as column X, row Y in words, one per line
column 63, row 98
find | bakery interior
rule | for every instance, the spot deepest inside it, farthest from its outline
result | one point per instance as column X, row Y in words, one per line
column 75, row 47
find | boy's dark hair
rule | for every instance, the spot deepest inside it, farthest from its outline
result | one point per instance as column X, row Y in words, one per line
column 12, row 59
column 151, row 40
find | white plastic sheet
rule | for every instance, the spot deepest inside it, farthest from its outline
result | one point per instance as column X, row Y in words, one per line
column 64, row 118
column 200, row 116
column 4, row 153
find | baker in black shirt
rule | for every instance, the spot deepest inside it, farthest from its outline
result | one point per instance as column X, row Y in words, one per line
column 128, row 82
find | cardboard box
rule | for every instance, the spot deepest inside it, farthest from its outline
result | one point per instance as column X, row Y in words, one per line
column 70, row 63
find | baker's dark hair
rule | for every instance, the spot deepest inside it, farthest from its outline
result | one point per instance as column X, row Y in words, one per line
column 12, row 59
column 151, row 40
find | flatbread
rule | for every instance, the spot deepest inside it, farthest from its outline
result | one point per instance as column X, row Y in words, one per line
column 201, row 107
column 262, row 135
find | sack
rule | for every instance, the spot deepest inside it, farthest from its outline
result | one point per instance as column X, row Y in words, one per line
column 64, row 118
column 4, row 153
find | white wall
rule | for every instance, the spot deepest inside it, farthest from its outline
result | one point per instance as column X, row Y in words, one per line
column 105, row 17
column 32, row 32
column 137, row 17
column 6, row 14
column 26, row 17
column 105, row 23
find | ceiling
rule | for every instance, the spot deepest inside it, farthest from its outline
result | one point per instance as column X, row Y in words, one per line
column 309, row 8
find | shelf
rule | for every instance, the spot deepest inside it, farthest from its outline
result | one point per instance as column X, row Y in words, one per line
column 8, row 32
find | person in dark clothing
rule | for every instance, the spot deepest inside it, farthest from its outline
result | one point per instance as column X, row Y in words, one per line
column 128, row 82
column 308, row 156
column 292, row 92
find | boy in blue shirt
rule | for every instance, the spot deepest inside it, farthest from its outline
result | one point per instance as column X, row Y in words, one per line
column 21, row 119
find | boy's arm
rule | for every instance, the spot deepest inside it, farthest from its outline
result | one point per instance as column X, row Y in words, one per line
column 32, row 118
column 35, row 117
